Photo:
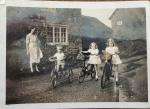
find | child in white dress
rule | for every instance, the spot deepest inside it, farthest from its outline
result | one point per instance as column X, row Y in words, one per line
column 113, row 50
column 94, row 57
column 60, row 58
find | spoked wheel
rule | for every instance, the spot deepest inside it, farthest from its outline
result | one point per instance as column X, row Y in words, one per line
column 106, row 75
column 93, row 73
column 54, row 82
column 103, row 80
column 70, row 76
column 81, row 77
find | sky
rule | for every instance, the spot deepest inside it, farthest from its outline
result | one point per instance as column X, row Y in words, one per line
column 101, row 14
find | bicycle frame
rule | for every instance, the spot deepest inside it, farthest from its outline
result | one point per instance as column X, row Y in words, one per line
column 86, row 70
column 86, row 65
column 58, row 76
column 108, row 67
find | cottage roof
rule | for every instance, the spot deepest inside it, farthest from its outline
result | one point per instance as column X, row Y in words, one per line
column 113, row 14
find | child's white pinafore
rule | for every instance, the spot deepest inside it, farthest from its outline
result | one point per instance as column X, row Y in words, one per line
column 115, row 57
column 94, row 56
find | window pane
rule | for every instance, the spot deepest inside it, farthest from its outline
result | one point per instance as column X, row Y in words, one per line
column 63, row 34
column 50, row 34
column 119, row 22
column 56, row 34
column 57, row 39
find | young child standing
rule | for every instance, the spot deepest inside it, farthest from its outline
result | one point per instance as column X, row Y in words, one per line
column 115, row 60
column 60, row 57
column 94, row 57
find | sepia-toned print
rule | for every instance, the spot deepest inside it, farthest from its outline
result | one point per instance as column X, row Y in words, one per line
column 59, row 55
column 2, row 1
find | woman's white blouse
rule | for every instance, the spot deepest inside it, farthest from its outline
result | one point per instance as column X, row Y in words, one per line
column 33, row 47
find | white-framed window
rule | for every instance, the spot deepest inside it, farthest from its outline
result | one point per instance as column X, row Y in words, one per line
column 63, row 34
column 119, row 22
column 49, row 34
column 57, row 34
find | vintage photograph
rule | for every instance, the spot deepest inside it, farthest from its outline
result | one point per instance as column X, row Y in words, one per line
column 63, row 55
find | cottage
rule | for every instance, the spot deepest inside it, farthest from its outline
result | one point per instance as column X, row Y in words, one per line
column 65, row 32
column 129, row 24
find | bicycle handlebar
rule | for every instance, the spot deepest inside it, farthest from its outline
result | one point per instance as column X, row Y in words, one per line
column 52, row 59
column 88, row 53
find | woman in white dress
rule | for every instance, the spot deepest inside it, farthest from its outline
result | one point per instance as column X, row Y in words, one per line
column 33, row 49
column 94, row 57
column 115, row 60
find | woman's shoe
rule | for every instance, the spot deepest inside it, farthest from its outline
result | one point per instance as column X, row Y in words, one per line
column 37, row 69
column 96, row 79
column 117, row 83
column 31, row 70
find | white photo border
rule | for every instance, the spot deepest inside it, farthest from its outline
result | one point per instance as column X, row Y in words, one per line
column 71, row 4
column 2, row 1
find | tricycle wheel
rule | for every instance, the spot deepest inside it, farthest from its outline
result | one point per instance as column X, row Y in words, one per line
column 54, row 82
column 70, row 77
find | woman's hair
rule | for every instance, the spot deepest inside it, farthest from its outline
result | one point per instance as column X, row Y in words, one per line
column 35, row 31
column 32, row 27
column 91, row 45
column 107, row 43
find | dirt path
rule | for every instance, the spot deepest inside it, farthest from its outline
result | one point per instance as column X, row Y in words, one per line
column 35, row 89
